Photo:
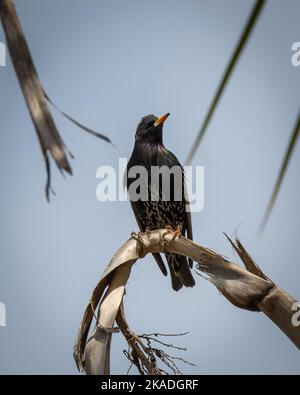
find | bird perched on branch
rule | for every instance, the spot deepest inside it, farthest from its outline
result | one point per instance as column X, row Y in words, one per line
column 156, row 189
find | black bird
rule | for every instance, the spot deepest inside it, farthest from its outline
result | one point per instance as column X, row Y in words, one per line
column 161, row 211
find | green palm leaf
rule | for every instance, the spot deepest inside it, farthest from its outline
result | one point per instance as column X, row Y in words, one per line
column 253, row 17
column 282, row 172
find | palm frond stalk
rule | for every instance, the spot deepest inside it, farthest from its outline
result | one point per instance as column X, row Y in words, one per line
column 246, row 288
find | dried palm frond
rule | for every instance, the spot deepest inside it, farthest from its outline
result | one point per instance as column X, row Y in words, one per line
column 246, row 288
column 49, row 138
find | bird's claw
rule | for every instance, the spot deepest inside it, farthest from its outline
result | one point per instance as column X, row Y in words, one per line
column 175, row 232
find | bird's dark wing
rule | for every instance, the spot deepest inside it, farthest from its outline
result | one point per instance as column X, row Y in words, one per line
column 156, row 256
column 188, row 220
column 172, row 160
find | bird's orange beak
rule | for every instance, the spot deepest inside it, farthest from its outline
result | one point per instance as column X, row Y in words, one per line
column 161, row 119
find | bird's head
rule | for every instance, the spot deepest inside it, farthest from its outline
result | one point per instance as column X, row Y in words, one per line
column 149, row 129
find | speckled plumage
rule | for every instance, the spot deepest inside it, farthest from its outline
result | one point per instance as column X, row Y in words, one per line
column 156, row 214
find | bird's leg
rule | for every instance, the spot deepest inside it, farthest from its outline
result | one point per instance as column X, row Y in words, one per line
column 140, row 243
column 179, row 230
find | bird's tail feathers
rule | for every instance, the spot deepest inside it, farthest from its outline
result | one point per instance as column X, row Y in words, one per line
column 180, row 271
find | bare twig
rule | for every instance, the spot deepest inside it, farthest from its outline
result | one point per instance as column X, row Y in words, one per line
column 144, row 357
column 151, row 338
column 138, row 354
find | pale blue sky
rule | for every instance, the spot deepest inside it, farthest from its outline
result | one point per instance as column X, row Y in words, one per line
column 108, row 63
